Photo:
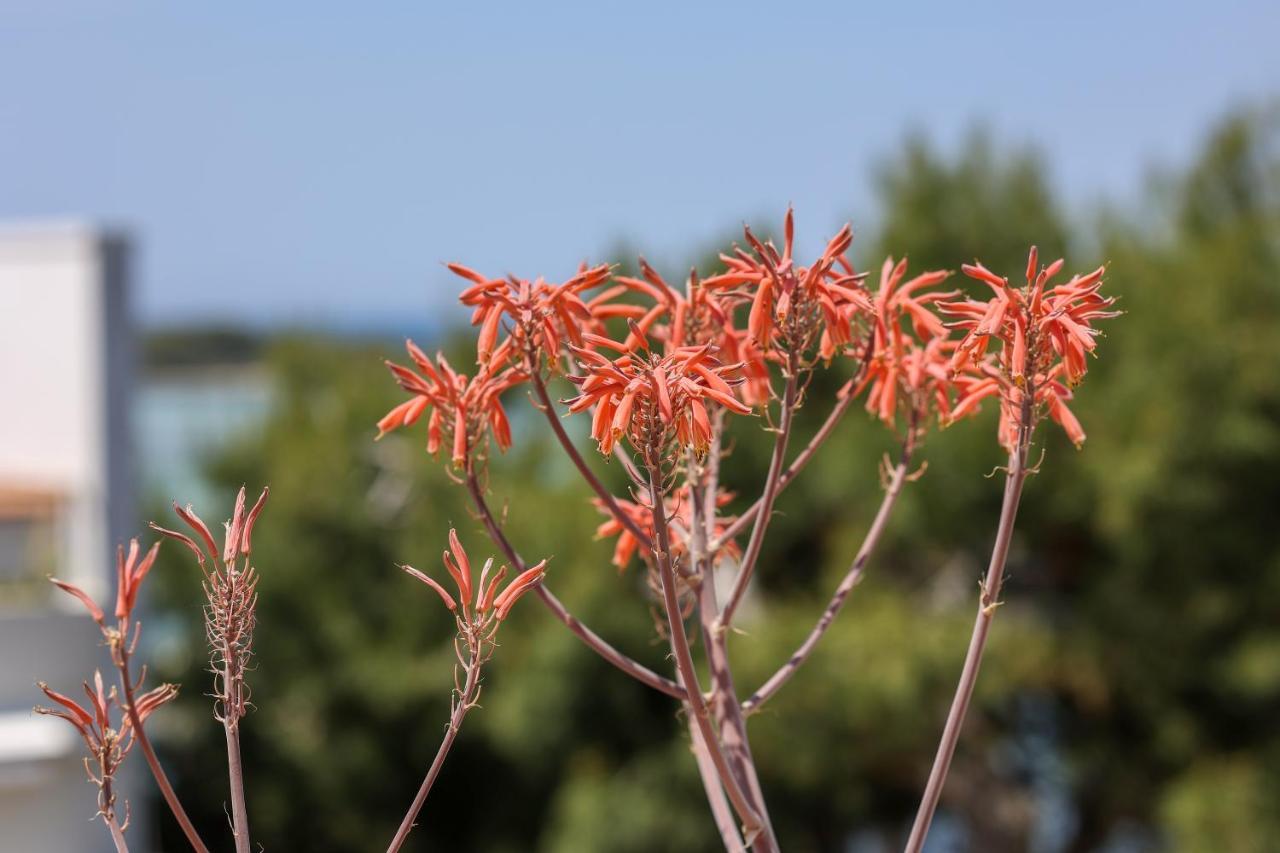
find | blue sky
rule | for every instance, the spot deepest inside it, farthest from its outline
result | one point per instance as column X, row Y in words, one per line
column 308, row 162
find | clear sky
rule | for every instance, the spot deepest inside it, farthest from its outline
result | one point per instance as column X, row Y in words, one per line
column 317, row 161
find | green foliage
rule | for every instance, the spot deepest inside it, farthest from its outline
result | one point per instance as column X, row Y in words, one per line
column 1137, row 651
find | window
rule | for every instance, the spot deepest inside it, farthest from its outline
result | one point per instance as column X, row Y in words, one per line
column 28, row 544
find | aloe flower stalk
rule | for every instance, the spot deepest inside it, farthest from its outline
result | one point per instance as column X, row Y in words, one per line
column 479, row 608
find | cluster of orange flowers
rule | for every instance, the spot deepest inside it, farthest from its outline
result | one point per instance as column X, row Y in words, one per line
column 464, row 411
column 653, row 363
column 1044, row 337
column 679, row 514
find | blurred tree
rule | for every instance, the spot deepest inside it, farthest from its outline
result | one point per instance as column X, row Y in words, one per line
column 1180, row 595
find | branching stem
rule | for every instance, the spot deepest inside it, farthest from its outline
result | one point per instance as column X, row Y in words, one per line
column 593, row 641
column 789, row 475
column 752, row 825
column 897, row 478
column 157, row 772
column 544, row 403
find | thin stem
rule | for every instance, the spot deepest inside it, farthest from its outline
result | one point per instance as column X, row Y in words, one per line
column 724, row 703
column 851, row 579
column 117, row 834
column 720, row 811
column 594, row 641
column 987, row 604
column 767, row 496
column 229, row 622
column 685, row 667
column 593, row 481
column 464, row 704
column 157, row 772
column 235, row 770
column 789, row 475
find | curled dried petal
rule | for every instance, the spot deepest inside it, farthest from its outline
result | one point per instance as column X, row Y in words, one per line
column 83, row 597
column 196, row 524
column 246, row 542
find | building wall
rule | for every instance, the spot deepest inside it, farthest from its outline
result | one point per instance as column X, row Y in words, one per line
column 65, row 382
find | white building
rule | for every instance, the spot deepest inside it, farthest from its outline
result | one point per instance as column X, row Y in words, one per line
column 66, row 499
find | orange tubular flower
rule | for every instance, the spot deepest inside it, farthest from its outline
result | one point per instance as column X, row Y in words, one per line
column 906, row 367
column 698, row 316
column 131, row 569
column 481, row 602
column 463, row 411
column 535, row 315
column 129, row 574
column 1044, row 337
column 791, row 306
column 680, row 517
column 911, row 375
column 650, row 398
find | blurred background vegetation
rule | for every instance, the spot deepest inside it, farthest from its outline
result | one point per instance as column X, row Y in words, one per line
column 1131, row 693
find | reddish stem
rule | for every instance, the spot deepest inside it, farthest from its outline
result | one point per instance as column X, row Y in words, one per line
column 753, row 829
column 720, row 811
column 767, row 497
column 789, row 475
column 851, row 579
column 593, row 481
column 594, row 641
column 162, row 781
column 465, row 702
column 117, row 835
column 724, row 704
column 235, row 770
column 987, row 604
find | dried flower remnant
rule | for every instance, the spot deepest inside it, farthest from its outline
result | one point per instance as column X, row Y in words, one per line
column 1045, row 336
column 652, row 399
column 479, row 609
column 107, row 744
column 230, row 585
column 464, row 411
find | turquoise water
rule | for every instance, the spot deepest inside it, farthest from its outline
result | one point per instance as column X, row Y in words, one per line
column 182, row 418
